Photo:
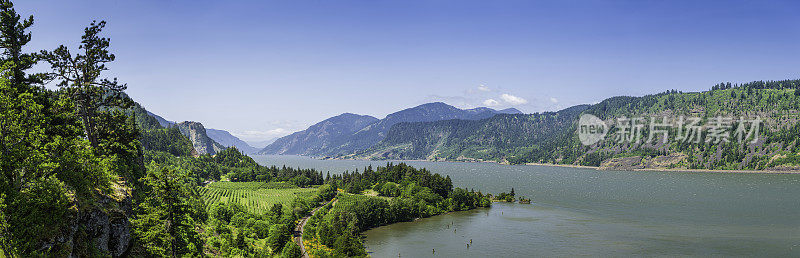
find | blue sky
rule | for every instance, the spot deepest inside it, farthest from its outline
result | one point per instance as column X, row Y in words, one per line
column 261, row 69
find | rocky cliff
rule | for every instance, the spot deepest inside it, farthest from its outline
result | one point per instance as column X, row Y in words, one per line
column 200, row 140
column 102, row 228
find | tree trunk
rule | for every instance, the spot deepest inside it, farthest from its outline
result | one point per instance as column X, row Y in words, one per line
column 92, row 127
column 88, row 125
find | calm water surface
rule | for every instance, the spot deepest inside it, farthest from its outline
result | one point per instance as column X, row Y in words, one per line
column 584, row 212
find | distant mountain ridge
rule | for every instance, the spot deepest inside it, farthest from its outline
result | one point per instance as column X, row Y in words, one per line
column 262, row 144
column 319, row 136
column 318, row 140
column 227, row 139
column 497, row 137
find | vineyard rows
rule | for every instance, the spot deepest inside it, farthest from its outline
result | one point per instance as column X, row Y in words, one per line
column 256, row 197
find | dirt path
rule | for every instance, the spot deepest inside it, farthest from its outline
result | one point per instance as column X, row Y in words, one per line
column 298, row 231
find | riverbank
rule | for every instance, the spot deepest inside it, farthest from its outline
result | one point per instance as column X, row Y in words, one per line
column 769, row 171
column 670, row 169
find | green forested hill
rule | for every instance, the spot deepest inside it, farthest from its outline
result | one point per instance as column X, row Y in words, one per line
column 155, row 137
column 552, row 137
column 500, row 137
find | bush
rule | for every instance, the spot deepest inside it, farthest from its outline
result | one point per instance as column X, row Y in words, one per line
column 390, row 189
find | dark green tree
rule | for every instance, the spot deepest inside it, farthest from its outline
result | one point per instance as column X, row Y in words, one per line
column 164, row 224
column 291, row 250
column 278, row 236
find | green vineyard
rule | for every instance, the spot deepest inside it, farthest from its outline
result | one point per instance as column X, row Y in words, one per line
column 256, row 197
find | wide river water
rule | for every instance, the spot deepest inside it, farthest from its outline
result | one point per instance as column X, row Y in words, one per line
column 585, row 212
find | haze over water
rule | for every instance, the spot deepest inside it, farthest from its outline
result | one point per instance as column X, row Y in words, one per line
column 588, row 212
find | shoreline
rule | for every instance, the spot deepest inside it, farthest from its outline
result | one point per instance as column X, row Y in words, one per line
column 673, row 169
column 737, row 171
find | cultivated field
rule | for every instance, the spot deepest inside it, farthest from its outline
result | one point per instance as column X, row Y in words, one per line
column 256, row 197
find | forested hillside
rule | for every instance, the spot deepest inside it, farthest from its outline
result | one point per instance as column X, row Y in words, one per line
column 552, row 137
column 497, row 138
column 87, row 172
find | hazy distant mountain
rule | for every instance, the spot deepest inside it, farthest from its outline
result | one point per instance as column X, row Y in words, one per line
column 510, row 111
column 227, row 139
column 486, row 110
column 371, row 135
column 261, row 144
column 374, row 131
column 199, row 137
column 320, row 136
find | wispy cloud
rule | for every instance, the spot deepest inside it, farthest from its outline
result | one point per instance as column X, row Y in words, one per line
column 554, row 100
column 513, row 100
column 490, row 96
column 491, row 103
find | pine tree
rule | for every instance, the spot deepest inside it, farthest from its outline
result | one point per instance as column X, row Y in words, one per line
column 165, row 222
column 14, row 35
column 279, row 234
column 80, row 77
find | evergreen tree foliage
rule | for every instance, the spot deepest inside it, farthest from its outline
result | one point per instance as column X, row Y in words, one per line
column 166, row 221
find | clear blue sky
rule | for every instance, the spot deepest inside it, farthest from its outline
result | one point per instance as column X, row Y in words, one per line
column 266, row 68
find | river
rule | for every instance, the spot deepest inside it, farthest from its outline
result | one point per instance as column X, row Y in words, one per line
column 585, row 212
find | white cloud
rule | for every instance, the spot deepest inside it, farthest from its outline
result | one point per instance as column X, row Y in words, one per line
column 491, row 103
column 483, row 88
column 513, row 100
column 554, row 100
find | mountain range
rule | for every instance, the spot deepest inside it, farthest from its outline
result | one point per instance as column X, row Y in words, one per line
column 261, row 144
column 350, row 133
column 437, row 131
column 500, row 136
